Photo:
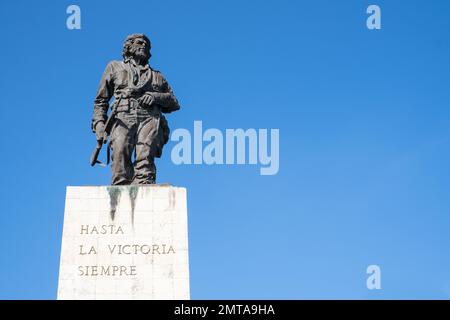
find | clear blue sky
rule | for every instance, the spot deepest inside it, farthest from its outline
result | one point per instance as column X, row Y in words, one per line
column 364, row 140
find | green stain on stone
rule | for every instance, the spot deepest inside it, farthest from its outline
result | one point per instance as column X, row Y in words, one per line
column 132, row 192
column 114, row 196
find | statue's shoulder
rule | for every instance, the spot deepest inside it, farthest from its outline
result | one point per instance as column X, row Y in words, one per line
column 158, row 74
column 115, row 64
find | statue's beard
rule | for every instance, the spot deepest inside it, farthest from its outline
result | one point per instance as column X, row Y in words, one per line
column 139, row 55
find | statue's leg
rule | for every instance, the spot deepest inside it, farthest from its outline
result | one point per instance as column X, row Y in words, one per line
column 144, row 167
column 122, row 138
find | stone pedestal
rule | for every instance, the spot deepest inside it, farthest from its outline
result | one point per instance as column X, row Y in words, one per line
column 124, row 242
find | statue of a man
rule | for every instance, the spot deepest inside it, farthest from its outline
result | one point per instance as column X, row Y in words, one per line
column 138, row 126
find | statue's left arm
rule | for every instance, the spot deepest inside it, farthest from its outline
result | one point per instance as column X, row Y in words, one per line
column 164, row 96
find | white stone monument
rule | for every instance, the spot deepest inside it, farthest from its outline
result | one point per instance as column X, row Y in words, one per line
column 124, row 242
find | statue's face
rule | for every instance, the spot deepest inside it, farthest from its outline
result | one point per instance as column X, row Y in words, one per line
column 140, row 49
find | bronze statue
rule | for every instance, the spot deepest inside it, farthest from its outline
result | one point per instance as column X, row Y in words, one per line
column 136, row 123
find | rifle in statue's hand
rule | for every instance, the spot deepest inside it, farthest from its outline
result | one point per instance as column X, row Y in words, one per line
column 107, row 130
column 95, row 154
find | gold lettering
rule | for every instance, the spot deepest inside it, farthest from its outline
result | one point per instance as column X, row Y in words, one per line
column 155, row 248
column 106, row 270
column 123, row 249
column 84, row 228
column 119, row 230
column 80, row 271
column 170, row 250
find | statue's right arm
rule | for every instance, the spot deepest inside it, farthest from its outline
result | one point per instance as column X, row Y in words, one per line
column 104, row 94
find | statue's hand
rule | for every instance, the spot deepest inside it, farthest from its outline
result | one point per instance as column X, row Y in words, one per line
column 146, row 100
column 99, row 131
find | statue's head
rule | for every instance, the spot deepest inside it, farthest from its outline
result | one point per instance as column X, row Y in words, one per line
column 137, row 46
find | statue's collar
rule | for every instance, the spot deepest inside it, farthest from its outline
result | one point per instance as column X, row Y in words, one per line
column 134, row 64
